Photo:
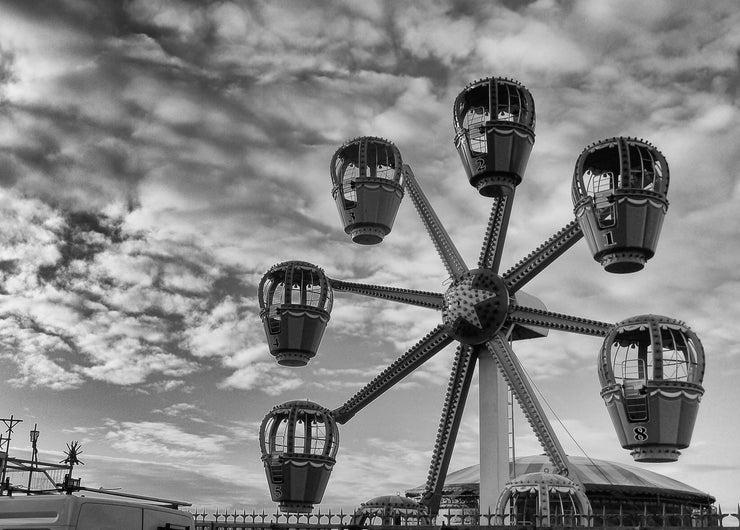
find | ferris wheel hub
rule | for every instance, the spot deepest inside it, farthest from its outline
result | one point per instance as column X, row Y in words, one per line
column 475, row 306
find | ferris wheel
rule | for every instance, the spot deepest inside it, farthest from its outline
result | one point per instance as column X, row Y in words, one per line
column 650, row 366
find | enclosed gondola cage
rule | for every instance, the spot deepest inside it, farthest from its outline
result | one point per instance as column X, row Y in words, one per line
column 651, row 368
column 494, row 122
column 367, row 177
column 295, row 302
column 299, row 442
column 390, row 510
column 619, row 198
column 543, row 499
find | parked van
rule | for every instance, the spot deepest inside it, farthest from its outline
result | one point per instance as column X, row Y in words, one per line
column 71, row 512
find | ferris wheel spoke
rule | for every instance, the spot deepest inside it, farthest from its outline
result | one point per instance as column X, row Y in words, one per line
column 549, row 251
column 534, row 317
column 517, row 380
column 441, row 239
column 421, row 352
column 493, row 242
column 395, row 294
column 457, row 392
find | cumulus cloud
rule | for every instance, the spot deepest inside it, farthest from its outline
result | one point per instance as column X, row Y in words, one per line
column 393, row 460
column 36, row 369
column 162, row 439
column 178, row 409
column 263, row 376
column 96, row 301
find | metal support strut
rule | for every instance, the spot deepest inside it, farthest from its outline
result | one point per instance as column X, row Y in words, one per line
column 441, row 239
column 421, row 352
column 395, row 294
column 493, row 241
column 524, row 393
column 542, row 256
column 530, row 316
column 457, row 392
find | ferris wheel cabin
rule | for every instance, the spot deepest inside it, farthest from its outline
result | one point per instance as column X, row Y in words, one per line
column 651, row 369
column 388, row 510
column 544, row 499
column 299, row 442
column 367, row 187
column 494, row 122
column 295, row 302
column 619, row 198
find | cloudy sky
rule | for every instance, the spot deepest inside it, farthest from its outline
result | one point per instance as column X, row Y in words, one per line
column 157, row 157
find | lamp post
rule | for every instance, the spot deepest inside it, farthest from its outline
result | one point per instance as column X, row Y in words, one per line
column 34, row 436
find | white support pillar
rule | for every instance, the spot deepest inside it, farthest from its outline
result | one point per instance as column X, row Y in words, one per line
column 494, row 432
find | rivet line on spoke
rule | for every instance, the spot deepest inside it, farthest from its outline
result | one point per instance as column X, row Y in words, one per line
column 388, row 293
column 422, row 348
column 460, row 366
column 441, row 244
column 493, row 231
column 528, row 407
column 526, row 265
column 588, row 327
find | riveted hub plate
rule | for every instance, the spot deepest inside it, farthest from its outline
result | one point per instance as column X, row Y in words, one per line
column 475, row 306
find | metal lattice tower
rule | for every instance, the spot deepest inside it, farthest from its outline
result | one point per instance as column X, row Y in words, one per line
column 9, row 423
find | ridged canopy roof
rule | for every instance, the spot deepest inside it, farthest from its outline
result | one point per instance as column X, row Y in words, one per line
column 596, row 475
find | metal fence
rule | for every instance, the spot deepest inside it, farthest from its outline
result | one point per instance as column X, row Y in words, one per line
column 342, row 521
column 32, row 476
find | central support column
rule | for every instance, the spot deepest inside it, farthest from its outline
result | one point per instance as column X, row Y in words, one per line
column 494, row 432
